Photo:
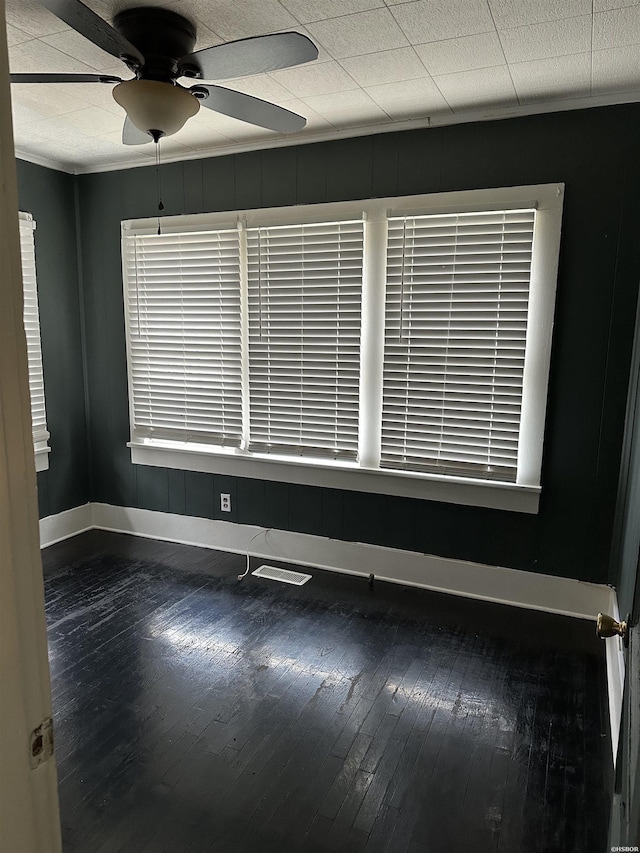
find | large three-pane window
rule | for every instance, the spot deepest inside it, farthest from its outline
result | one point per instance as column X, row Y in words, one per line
column 402, row 340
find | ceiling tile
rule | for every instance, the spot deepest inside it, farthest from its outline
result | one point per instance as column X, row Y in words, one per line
column 30, row 17
column 232, row 20
column 80, row 48
column 54, row 129
column 433, row 20
column 92, row 121
column 195, row 134
column 48, row 100
column 260, row 86
column 354, row 35
column 175, row 145
column 232, row 128
column 33, row 56
column 92, row 94
column 323, row 104
column 605, row 5
column 16, row 36
column 356, row 119
column 462, row 54
column 110, row 8
column 323, row 54
column 480, row 88
column 315, row 122
column 319, row 10
column 616, row 28
column 107, row 9
column 553, row 38
column 206, row 124
column 317, row 78
column 22, row 114
column 66, row 156
column 616, row 69
column 337, row 108
column 387, row 66
column 521, row 13
column 205, row 35
column 107, row 146
column 410, row 99
column 547, row 79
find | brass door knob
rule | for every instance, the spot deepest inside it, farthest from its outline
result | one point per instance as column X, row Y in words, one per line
column 606, row 626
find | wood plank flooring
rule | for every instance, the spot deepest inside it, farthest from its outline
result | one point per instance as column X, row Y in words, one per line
column 194, row 713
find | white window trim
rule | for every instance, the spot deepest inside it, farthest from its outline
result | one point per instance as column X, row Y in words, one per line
column 41, row 447
column 42, row 458
column 522, row 496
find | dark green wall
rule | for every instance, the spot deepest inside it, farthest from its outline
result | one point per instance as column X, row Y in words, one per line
column 594, row 152
column 49, row 197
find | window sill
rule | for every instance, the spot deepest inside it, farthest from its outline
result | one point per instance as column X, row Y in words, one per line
column 456, row 490
column 42, row 459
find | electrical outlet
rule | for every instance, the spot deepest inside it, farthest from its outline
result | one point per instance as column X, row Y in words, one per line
column 225, row 503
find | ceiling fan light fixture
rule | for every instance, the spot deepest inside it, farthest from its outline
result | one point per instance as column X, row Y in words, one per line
column 155, row 106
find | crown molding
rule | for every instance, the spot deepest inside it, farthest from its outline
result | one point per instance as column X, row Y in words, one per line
column 39, row 160
column 445, row 120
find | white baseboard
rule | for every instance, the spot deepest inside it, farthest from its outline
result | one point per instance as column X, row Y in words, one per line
column 457, row 577
column 55, row 528
column 514, row 587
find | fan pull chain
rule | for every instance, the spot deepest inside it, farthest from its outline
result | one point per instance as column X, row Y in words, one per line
column 159, row 183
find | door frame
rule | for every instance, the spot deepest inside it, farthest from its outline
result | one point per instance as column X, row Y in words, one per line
column 29, row 816
column 624, row 830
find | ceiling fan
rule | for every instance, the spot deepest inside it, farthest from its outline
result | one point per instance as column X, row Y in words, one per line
column 156, row 45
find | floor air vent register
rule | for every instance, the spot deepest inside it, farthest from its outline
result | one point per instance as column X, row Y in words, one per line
column 282, row 575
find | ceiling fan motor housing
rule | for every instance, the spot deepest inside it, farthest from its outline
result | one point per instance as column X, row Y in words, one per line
column 162, row 36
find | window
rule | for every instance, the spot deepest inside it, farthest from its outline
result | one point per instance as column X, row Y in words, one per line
column 305, row 285
column 34, row 351
column 397, row 345
column 455, row 335
column 183, row 308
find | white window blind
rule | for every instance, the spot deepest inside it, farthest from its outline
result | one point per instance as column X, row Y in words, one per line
column 392, row 345
column 32, row 330
column 455, row 333
column 182, row 293
column 305, row 287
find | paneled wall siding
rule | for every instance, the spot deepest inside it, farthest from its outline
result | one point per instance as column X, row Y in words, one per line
column 50, row 197
column 594, row 152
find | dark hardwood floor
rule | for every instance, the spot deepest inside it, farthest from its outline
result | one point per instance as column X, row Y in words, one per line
column 196, row 713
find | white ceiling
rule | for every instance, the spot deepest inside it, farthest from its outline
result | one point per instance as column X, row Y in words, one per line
column 384, row 64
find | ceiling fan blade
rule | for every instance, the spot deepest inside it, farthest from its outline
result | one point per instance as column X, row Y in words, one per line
column 251, row 56
column 64, row 78
column 93, row 27
column 250, row 109
column 131, row 135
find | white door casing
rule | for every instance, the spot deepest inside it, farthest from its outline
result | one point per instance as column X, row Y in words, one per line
column 29, row 820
